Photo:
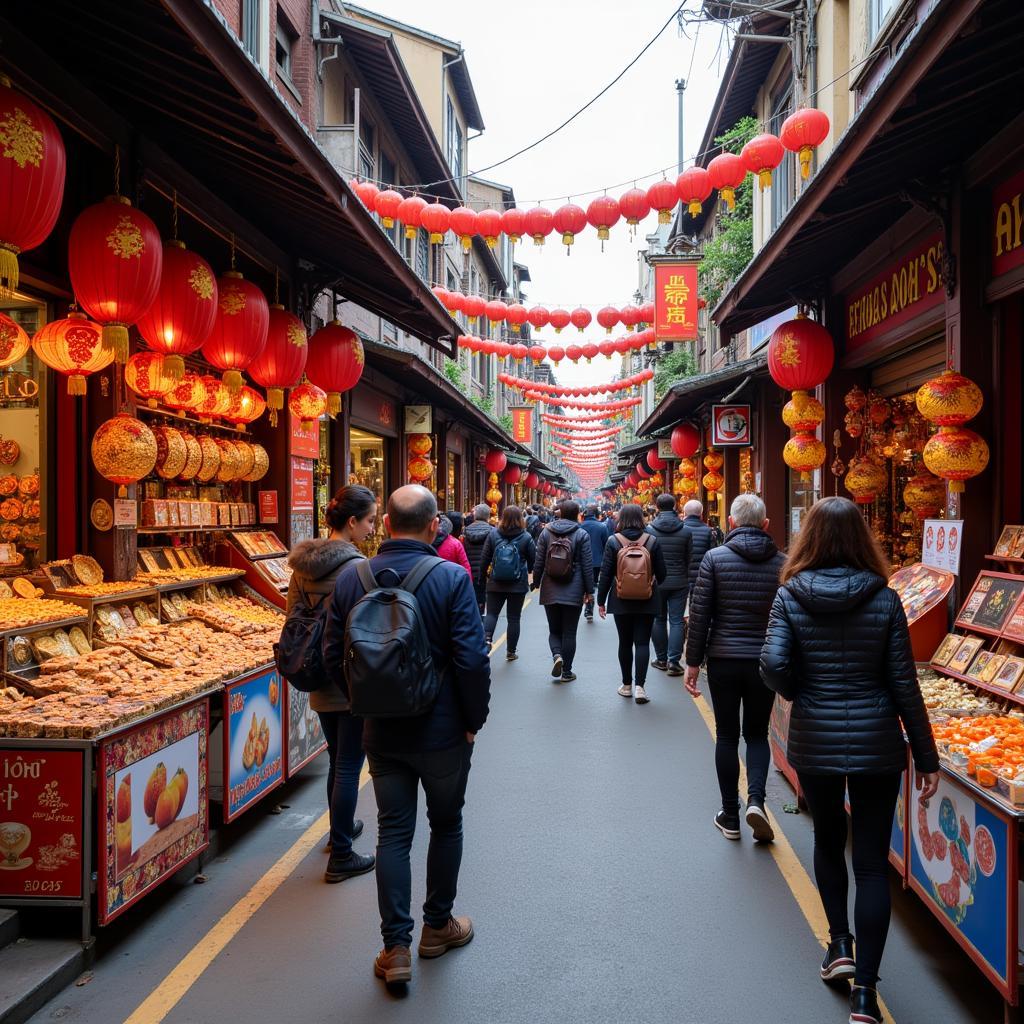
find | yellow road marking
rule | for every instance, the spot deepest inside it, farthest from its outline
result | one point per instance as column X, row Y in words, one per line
column 804, row 891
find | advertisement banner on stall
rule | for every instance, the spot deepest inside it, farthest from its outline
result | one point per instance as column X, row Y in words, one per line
column 1007, row 240
column 268, row 506
column 675, row 301
column 154, row 805
column 302, row 483
column 41, row 831
column 941, row 543
column 305, row 736
column 522, row 423
column 253, row 755
column 665, row 450
column 303, row 441
column 730, row 425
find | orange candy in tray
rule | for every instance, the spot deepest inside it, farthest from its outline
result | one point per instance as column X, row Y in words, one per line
column 988, row 747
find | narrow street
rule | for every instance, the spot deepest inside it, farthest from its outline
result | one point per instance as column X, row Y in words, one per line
column 599, row 890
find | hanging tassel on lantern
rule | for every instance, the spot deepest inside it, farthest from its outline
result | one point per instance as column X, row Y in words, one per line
column 275, row 403
column 233, row 381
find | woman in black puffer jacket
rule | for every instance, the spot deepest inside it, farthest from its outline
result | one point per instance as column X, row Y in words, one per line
column 501, row 586
column 838, row 647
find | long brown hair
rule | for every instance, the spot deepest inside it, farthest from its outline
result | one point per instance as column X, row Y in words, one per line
column 834, row 534
column 511, row 519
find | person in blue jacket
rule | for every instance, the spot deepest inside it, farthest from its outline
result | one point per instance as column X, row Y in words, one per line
column 433, row 749
column 598, row 533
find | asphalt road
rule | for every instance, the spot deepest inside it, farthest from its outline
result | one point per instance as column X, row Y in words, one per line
column 599, row 889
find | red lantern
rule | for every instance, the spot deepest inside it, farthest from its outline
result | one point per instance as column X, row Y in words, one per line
column 513, row 223
column 335, row 362
column 115, row 261
column 420, row 444
column 727, row 172
column 608, row 317
column 654, row 461
column 537, row 353
column 589, row 351
column 181, row 316
column 538, row 317
column 607, row 348
column 574, row 353
column 641, row 470
column 240, row 329
column 73, row 347
column 663, row 196
column 419, row 468
column 516, row 316
column 442, row 295
column 630, row 316
column 473, row 306
column 580, row 318
column 14, row 341
column 307, row 403
column 800, row 354
column 463, row 223
column 436, row 218
column 532, row 480
column 634, row 206
column 495, row 461
column 803, row 453
column 603, row 213
column 366, row 190
column 803, row 131
column 217, row 401
column 685, row 441
column 145, row 374
column 32, row 171
column 246, row 407
column 694, row 187
column 409, row 213
column 539, row 222
column 556, row 354
column 560, row 318
column 569, row 220
column 496, row 311
column 188, row 394
column 386, row 204
column 281, row 363
column 761, row 155
column 520, row 352
column 488, row 224
column 512, row 475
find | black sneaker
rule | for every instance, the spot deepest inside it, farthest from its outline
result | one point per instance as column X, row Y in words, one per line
column 864, row 1007
column 511, row 656
column 839, row 964
column 675, row 669
column 660, row 665
column 758, row 821
column 357, row 828
column 568, row 677
column 556, row 668
column 355, row 864
column 728, row 824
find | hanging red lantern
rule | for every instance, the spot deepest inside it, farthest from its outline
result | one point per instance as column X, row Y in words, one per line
column 519, row 352
column 538, row 317
column 419, row 468
column 685, row 440
column 240, row 328
column 366, row 191
column 73, row 347
column 726, row 172
column 573, row 353
column 281, row 363
column 307, row 403
column 115, row 261
column 532, row 480
column 495, row 460
column 246, row 407
column 217, row 401
column 800, row 354
column 473, row 306
column 539, row 223
column 187, row 395
column 694, row 187
column 335, row 362
column 603, row 213
column 713, row 482
column 560, row 318
column 803, row 131
column 436, row 218
column 503, row 349
column 641, row 471
column 442, row 295
column 181, row 317
column 949, row 400
column 654, row 461
column 608, row 317
column 589, row 351
column 956, row 454
column 14, row 341
column 761, row 155
column 607, row 348
column 513, row 223
column 488, row 225
column 386, row 204
column 580, row 318
column 630, row 316
column 556, row 354
column 516, row 316
column 537, row 353
column 512, row 475
column 569, row 220
column 634, row 206
column 420, row 444
column 124, row 451
column 463, row 224
column 496, row 311
column 488, row 346
column 663, row 196
column 145, row 374
column 410, row 210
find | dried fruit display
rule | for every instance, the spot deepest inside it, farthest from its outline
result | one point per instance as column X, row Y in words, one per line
column 19, row 612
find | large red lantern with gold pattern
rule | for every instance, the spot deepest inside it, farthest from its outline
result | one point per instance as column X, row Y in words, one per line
column 217, row 401
column 956, row 454
column 74, row 347
column 761, row 155
column 246, row 407
column 335, row 362
column 307, row 403
column 925, row 495
column 14, row 341
column 949, row 400
column 803, row 412
column 240, row 328
column 188, row 394
column 800, row 354
column 865, row 480
column 32, row 172
column 115, row 261
column 804, row 453
column 181, row 316
column 145, row 373
column 419, row 468
column 802, row 132
column 420, row 444
column 281, row 363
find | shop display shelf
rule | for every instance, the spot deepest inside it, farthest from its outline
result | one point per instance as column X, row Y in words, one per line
column 45, row 627
column 995, row 691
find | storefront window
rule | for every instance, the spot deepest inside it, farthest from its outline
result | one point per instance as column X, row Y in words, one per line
column 453, row 496
column 367, row 467
column 322, row 478
column 23, row 446
column 802, row 495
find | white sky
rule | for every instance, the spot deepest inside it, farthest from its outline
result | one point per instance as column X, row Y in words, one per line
column 536, row 62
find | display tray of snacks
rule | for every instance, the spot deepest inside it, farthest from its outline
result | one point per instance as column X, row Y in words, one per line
column 260, row 544
column 202, row 574
column 986, row 749
column 202, row 648
column 239, row 616
column 115, row 620
column 174, row 604
column 110, row 590
column 26, row 651
column 21, row 613
column 943, row 695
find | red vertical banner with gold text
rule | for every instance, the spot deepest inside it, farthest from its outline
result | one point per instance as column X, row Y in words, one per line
column 522, row 423
column 675, row 301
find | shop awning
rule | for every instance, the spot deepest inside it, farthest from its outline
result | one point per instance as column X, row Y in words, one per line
column 943, row 97
column 174, row 71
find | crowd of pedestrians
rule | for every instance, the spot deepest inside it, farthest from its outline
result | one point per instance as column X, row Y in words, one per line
column 395, row 652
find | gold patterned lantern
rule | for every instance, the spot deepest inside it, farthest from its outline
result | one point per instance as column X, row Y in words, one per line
column 124, row 451
column 925, row 495
column 193, row 456
column 804, row 453
column 493, row 495
column 14, row 341
column 308, row 403
column 803, row 412
column 218, row 399
column 855, row 400
column 145, row 374
column 246, row 459
column 420, row 444
column 713, row 460
column 419, row 468
column 230, row 462
column 211, row 460
column 865, row 480
column 187, row 395
column 261, row 464
column 956, row 454
column 854, row 424
column 171, row 452
column 713, row 482
column 949, row 400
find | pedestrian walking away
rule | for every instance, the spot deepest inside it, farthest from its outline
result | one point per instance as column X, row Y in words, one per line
column 702, row 538
column 598, row 533
column 838, row 647
column 509, row 554
column 631, row 573
column 432, row 748
column 352, row 517
column 729, row 612
column 676, row 541
column 564, row 573
column 446, row 545
column 474, row 536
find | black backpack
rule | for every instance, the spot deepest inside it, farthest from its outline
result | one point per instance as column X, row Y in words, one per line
column 558, row 562
column 298, row 653
column 388, row 664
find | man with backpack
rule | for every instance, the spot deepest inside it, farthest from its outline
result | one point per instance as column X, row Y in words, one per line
column 598, row 533
column 474, row 536
column 564, row 573
column 405, row 640
column 676, row 542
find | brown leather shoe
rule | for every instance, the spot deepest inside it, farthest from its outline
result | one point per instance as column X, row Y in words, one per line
column 394, row 965
column 437, row 941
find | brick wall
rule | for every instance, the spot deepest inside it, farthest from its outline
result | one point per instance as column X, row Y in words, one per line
column 297, row 15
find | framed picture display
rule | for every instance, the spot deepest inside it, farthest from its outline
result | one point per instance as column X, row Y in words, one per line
column 947, row 649
column 965, row 654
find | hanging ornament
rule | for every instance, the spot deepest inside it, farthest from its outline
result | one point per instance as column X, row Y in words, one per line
column 193, row 456
column 171, row 452
column 386, row 204
column 694, row 188
column 512, row 475
column 800, row 354
column 513, row 223
column 580, row 318
column 538, row 317
column 14, row 341
column 124, row 451
column 569, row 220
column 307, row 403
column 956, row 454
column 436, row 218
column 463, row 224
column 761, row 155
column 634, row 206
column 188, row 394
column 420, row 444
column 802, row 412
column 515, row 316
column 560, row 319
column 246, row 459
column 473, row 307
column 925, row 495
column 74, row 347
column 949, row 400
column 802, row 132
column 366, row 191
column 496, row 311
column 603, row 213
column 246, row 407
column 419, row 468
column 335, row 362
column 261, row 464
column 410, row 211
column 727, row 172
column 230, row 463
column 539, row 223
column 855, row 400
column 865, row 480
column 281, row 363
column 608, row 317
column 217, row 401
column 115, row 261
column 685, row 440
column 803, row 453
column 532, row 480
column 145, row 374
column 663, row 196
column 854, row 422
column 240, row 328
column 488, row 225
column 495, row 461
column 210, row 465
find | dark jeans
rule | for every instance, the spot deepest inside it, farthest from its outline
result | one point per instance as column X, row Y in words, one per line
column 588, row 610
column 344, row 735
column 563, row 621
column 396, row 780
column 480, row 589
column 669, row 632
column 735, row 684
column 872, row 805
column 495, row 602
column 634, row 646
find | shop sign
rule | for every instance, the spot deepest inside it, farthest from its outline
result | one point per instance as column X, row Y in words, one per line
column 1007, row 216
column 302, row 483
column 941, row 544
column 126, row 512
column 41, row 793
column 903, row 290
column 675, row 301
column 303, row 442
column 665, row 450
column 305, row 736
column 253, row 741
column 18, row 387
column 418, row 419
column 730, row 425
column 268, row 506
column 522, row 423
column 154, row 805
column 372, row 408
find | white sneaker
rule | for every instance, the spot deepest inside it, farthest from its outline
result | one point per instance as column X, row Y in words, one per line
column 626, row 690
column 641, row 695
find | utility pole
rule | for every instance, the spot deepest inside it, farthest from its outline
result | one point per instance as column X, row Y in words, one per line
column 680, row 91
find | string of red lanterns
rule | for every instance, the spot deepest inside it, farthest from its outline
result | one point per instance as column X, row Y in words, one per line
column 498, row 311
column 556, row 353
column 627, row 383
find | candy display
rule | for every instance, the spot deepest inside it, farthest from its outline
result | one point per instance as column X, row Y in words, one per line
column 19, row 612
